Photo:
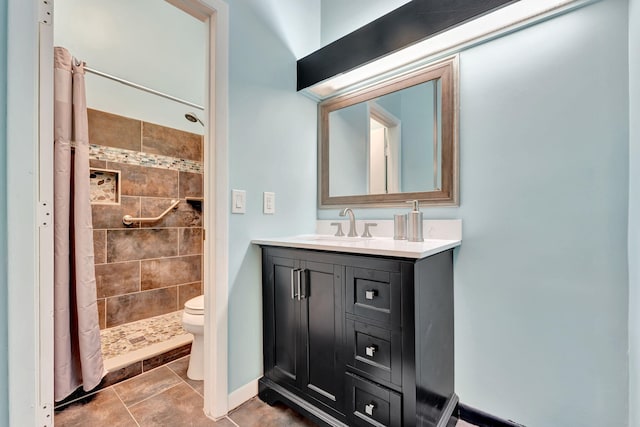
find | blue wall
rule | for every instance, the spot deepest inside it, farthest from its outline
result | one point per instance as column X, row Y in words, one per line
column 417, row 138
column 634, row 213
column 541, row 280
column 4, row 410
column 340, row 17
column 349, row 150
column 272, row 147
column 541, row 283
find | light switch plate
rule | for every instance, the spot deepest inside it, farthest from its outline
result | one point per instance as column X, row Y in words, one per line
column 238, row 201
column 269, row 203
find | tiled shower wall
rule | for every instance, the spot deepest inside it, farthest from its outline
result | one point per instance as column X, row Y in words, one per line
column 149, row 269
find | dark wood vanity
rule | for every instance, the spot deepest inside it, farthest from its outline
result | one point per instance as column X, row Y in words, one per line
column 359, row 340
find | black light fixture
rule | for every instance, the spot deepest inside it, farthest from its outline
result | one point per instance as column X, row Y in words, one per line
column 415, row 34
column 404, row 26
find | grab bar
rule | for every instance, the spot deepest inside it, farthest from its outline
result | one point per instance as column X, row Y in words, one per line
column 128, row 219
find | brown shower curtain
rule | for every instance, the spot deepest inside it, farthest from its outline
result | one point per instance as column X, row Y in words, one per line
column 78, row 355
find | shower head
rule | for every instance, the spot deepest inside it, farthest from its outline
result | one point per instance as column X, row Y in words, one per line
column 193, row 118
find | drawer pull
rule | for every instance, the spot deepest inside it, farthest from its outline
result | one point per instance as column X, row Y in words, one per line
column 370, row 294
column 368, row 408
column 371, row 350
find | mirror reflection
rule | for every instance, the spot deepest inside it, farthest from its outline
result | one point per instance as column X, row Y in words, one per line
column 392, row 142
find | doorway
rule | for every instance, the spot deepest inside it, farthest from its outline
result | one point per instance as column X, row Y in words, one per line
column 214, row 14
column 383, row 150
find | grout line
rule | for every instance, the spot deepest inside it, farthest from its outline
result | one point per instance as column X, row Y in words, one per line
column 155, row 228
column 169, row 257
column 126, row 407
column 178, row 240
column 105, row 314
column 139, row 375
column 182, row 379
column 106, row 249
column 232, row 422
column 150, row 290
column 179, row 181
column 154, row 395
column 117, row 262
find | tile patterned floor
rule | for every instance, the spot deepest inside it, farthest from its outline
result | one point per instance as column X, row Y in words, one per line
column 165, row 397
column 126, row 338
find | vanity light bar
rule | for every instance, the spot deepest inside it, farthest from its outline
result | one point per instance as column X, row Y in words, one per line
column 500, row 22
column 404, row 26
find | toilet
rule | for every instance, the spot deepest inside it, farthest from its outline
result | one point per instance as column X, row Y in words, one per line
column 193, row 322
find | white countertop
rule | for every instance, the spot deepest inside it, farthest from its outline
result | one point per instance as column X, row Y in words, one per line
column 440, row 235
column 385, row 246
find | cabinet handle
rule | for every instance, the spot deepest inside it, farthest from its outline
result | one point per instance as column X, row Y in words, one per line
column 371, row 350
column 293, row 291
column 299, row 272
column 370, row 294
column 369, row 407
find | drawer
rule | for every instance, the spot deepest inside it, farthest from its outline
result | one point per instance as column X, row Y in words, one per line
column 374, row 294
column 372, row 405
column 375, row 351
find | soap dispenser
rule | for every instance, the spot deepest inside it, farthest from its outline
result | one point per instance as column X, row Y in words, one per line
column 414, row 225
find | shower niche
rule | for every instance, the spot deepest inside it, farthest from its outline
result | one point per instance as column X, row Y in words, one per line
column 104, row 186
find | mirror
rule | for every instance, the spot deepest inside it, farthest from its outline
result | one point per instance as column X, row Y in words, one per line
column 392, row 142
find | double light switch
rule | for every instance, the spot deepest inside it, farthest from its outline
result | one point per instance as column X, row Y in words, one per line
column 239, row 202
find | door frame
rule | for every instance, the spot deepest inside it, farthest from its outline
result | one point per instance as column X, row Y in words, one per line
column 215, row 14
column 216, row 247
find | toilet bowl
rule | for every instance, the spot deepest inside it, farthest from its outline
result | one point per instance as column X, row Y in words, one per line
column 193, row 322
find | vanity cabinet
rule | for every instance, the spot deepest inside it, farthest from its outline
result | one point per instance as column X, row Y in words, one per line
column 359, row 340
column 304, row 326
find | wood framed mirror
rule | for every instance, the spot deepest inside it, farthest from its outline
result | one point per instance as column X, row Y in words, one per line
column 393, row 141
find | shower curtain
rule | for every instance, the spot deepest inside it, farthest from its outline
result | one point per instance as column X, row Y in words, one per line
column 77, row 351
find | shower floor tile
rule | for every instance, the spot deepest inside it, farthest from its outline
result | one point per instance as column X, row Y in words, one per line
column 127, row 338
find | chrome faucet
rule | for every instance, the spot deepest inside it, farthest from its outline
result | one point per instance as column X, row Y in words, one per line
column 352, row 221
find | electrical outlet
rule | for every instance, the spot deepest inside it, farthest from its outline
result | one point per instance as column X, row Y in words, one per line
column 269, row 203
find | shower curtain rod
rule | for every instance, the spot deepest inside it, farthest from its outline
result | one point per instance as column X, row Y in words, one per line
column 137, row 86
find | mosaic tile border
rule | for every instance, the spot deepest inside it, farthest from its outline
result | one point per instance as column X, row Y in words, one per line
column 120, row 155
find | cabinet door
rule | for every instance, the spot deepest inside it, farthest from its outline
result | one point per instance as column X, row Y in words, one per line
column 282, row 319
column 323, row 333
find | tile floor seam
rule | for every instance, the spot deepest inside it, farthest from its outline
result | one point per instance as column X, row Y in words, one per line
column 153, row 395
column 125, row 406
column 232, row 422
column 182, row 379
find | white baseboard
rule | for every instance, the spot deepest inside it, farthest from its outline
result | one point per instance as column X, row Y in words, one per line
column 242, row 394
